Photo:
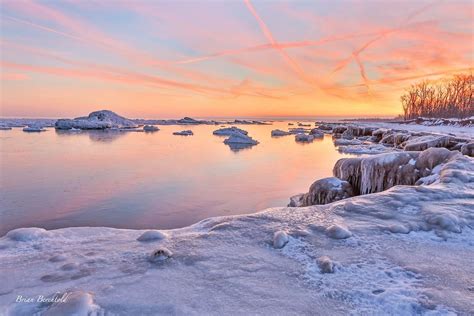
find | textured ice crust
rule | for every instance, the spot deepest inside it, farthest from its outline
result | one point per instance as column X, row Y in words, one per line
column 365, row 255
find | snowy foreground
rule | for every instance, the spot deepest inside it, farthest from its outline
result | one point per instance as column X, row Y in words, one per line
column 407, row 250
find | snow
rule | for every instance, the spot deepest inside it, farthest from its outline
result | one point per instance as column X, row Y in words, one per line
column 324, row 191
column 223, row 265
column 229, row 131
column 424, row 142
column 338, row 232
column 326, row 264
column 27, row 234
column 184, row 133
column 33, row 129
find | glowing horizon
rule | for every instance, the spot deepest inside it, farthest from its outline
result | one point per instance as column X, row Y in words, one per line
column 241, row 58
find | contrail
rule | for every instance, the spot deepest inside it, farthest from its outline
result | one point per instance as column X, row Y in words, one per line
column 296, row 68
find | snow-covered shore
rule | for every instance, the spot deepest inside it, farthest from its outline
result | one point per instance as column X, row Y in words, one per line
column 407, row 250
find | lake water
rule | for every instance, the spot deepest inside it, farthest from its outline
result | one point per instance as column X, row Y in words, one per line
column 150, row 180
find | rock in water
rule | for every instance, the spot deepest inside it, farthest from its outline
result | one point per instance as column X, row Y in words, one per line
column 184, row 133
column 424, row 142
column 468, row 149
column 279, row 132
column 96, row 120
column 240, row 139
column 325, row 264
column 150, row 128
column 229, row 131
column 327, row 190
column 280, row 239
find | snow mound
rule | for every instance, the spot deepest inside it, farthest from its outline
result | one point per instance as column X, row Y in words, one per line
column 150, row 128
column 151, row 235
column 184, row 133
column 280, row 239
column 338, row 232
column 77, row 303
column 279, row 132
column 229, row 131
column 96, row 120
column 325, row 191
column 27, row 234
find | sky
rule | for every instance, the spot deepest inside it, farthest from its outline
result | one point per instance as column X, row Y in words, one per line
column 233, row 58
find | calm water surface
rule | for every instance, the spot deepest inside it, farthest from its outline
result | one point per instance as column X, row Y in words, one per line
column 150, row 180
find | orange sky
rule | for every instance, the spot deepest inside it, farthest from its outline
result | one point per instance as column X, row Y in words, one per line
column 238, row 58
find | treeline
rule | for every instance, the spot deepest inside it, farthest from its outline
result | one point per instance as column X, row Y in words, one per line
column 448, row 98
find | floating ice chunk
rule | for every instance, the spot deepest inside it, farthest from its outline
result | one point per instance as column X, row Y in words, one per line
column 27, row 234
column 338, row 232
column 280, row 239
column 229, row 131
column 316, row 133
column 325, row 191
column 160, row 254
column 325, row 264
column 184, row 133
column 33, row 129
column 304, row 138
column 97, row 120
column 5, row 128
column 150, row 128
column 279, row 132
column 151, row 235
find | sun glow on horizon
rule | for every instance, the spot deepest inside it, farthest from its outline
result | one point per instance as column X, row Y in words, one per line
column 234, row 59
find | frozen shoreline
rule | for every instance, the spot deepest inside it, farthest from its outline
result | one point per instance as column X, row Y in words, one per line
column 229, row 265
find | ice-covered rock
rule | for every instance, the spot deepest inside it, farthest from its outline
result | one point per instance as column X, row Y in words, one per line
column 325, row 191
column 151, row 235
column 377, row 173
column 468, row 149
column 316, row 133
column 5, row 128
column 280, row 239
column 160, row 254
column 363, row 148
column 184, row 133
column 325, row 127
column 296, row 200
column 339, row 129
column 96, row 120
column 150, row 128
column 338, row 232
column 304, row 138
column 423, row 142
column 325, row 264
column 27, row 234
column 241, row 139
column 33, row 129
column 298, row 130
column 304, row 124
column 228, row 131
column 279, row 132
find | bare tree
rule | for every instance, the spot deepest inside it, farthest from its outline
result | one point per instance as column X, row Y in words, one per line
column 452, row 97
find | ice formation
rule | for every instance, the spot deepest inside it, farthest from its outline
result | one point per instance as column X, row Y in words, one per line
column 184, row 133
column 280, row 239
column 424, row 142
column 468, row 149
column 151, row 235
column 33, row 129
column 239, row 138
column 326, row 264
column 96, row 120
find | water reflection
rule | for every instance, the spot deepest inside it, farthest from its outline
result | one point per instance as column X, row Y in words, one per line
column 235, row 147
column 151, row 180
